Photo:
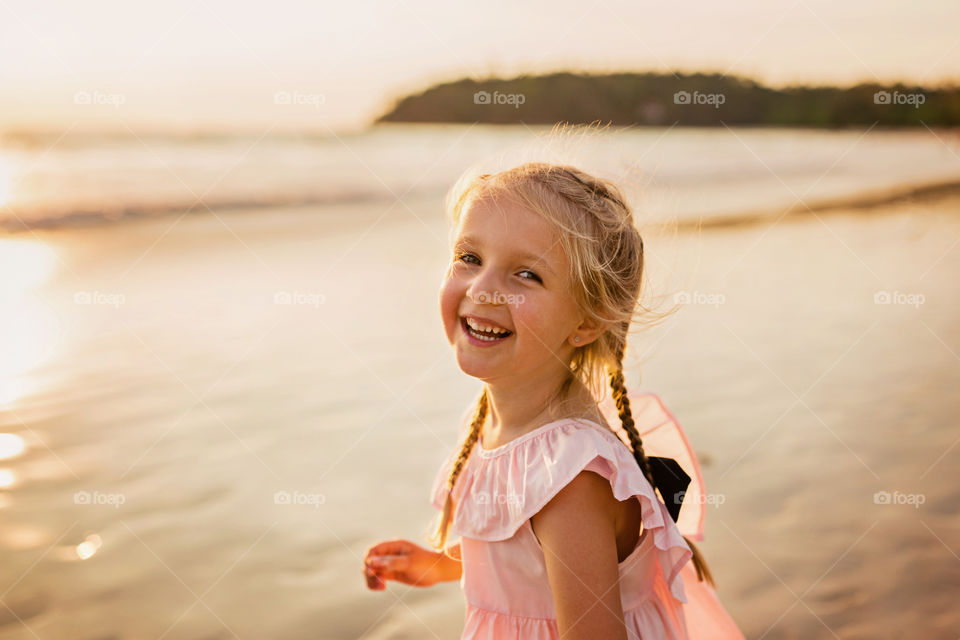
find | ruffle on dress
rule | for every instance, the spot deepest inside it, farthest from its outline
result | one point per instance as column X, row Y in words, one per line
column 653, row 618
column 500, row 489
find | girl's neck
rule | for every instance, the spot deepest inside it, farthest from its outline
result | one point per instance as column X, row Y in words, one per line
column 514, row 411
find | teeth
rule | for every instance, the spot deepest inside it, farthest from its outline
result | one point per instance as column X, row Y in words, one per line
column 479, row 327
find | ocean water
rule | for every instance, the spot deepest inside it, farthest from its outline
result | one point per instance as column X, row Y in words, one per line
column 669, row 173
column 206, row 419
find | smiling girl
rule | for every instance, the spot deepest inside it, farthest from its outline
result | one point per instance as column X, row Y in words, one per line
column 561, row 531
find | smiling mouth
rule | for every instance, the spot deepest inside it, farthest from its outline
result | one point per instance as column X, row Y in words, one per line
column 485, row 336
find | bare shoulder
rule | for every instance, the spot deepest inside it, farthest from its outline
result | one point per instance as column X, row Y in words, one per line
column 586, row 502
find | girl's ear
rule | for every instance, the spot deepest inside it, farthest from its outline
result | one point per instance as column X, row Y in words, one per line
column 588, row 331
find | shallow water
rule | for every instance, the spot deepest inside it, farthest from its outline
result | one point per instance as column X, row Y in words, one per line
column 185, row 395
column 671, row 173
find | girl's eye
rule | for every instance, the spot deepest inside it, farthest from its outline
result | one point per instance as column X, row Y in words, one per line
column 535, row 276
column 463, row 256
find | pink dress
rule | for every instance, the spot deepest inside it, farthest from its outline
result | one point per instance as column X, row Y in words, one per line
column 504, row 578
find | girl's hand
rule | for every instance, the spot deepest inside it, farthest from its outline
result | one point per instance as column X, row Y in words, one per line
column 403, row 561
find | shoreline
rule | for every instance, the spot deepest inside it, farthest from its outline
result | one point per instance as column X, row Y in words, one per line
column 864, row 201
column 307, row 398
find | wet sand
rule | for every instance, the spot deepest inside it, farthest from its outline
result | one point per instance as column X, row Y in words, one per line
column 202, row 395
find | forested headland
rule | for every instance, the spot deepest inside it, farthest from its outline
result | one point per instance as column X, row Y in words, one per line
column 666, row 99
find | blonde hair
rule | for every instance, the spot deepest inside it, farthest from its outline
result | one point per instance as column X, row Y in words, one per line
column 605, row 254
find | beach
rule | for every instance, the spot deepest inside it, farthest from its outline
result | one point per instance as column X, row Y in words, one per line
column 217, row 413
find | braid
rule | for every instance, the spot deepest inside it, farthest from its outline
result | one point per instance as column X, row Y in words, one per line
column 626, row 418
column 439, row 537
column 595, row 187
column 585, row 191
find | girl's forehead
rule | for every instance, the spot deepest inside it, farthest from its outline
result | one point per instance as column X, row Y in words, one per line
column 503, row 216
column 515, row 232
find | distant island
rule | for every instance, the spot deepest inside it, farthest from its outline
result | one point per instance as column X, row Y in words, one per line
column 665, row 99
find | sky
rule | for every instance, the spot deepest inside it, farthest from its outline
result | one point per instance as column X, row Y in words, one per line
column 195, row 65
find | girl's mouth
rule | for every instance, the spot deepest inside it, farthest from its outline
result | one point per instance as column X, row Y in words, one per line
column 483, row 338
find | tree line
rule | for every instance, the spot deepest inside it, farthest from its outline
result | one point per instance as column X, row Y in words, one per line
column 665, row 98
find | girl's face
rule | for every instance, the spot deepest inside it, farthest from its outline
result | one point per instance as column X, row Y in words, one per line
column 508, row 271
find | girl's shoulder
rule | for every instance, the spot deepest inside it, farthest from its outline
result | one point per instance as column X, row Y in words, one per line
column 532, row 468
column 498, row 489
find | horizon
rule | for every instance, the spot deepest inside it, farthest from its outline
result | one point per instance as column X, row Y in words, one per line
column 361, row 127
column 210, row 67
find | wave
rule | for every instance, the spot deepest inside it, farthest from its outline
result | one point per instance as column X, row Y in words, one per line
column 865, row 200
column 49, row 219
column 23, row 219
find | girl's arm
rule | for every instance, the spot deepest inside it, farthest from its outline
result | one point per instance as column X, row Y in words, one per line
column 577, row 531
column 448, row 569
column 409, row 563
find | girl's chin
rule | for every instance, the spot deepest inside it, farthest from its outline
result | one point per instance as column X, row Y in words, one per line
column 477, row 365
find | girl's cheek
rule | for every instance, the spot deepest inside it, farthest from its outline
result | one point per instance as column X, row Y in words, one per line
column 451, row 292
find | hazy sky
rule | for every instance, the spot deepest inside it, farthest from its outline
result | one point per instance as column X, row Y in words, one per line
column 191, row 64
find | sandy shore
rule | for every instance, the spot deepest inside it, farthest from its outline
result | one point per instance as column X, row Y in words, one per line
column 199, row 397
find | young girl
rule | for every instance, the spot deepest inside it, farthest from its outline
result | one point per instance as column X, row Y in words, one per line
column 561, row 531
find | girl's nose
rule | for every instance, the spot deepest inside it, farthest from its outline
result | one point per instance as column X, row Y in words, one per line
column 485, row 287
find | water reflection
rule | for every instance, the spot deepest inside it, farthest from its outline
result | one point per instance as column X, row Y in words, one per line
column 6, row 180
column 29, row 329
column 11, row 445
column 88, row 547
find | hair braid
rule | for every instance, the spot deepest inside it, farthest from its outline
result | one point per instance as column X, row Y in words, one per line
column 439, row 538
column 626, row 418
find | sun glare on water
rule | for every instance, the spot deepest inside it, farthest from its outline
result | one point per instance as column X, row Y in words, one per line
column 6, row 180
column 28, row 328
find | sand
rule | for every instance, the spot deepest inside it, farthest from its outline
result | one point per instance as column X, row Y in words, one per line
column 198, row 398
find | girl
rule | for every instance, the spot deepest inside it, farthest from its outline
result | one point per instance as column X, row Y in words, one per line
column 561, row 531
